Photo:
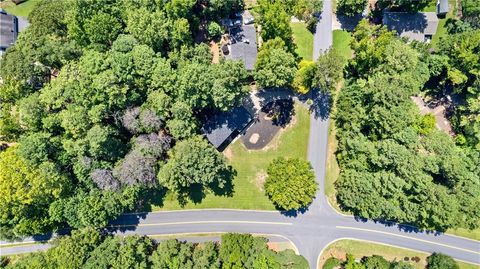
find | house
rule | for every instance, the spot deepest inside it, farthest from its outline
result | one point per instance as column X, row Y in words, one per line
column 442, row 8
column 8, row 30
column 221, row 128
column 419, row 26
column 10, row 27
column 243, row 41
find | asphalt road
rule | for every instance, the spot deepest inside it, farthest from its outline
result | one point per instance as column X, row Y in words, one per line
column 310, row 231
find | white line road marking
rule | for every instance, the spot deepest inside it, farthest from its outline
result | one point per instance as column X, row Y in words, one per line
column 407, row 237
column 202, row 222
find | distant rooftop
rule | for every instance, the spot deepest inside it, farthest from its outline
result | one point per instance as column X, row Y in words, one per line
column 8, row 30
column 221, row 128
column 442, row 7
column 415, row 26
column 244, row 42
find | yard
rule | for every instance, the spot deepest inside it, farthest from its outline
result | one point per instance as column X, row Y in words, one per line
column 21, row 10
column 441, row 30
column 303, row 39
column 341, row 42
column 362, row 248
column 251, row 166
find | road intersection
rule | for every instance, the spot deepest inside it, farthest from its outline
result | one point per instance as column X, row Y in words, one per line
column 310, row 231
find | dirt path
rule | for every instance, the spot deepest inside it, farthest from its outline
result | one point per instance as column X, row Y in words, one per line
column 438, row 111
column 215, row 52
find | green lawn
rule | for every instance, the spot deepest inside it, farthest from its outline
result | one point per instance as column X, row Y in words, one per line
column 251, row 166
column 473, row 234
column 361, row 248
column 341, row 42
column 441, row 30
column 22, row 9
column 303, row 39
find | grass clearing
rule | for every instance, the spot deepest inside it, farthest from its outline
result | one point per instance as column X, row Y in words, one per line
column 441, row 30
column 291, row 142
column 332, row 169
column 360, row 249
column 21, row 10
column 472, row 234
column 341, row 42
column 303, row 39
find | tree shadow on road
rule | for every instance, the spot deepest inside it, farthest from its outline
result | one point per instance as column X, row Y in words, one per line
column 321, row 104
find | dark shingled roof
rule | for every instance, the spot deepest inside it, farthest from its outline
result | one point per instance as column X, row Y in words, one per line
column 222, row 127
column 442, row 7
column 239, row 50
column 411, row 25
column 8, row 30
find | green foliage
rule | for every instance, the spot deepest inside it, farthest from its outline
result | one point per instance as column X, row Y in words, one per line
column 394, row 164
column 439, row 260
column 290, row 183
column 275, row 66
column 275, row 22
column 351, row 7
column 331, row 263
column 327, row 72
column 87, row 248
column 245, row 251
column 366, row 262
column 426, row 124
column 470, row 11
column 214, row 30
column 462, row 72
column 94, row 209
column 403, row 5
column 195, row 162
column 26, row 192
column 95, row 89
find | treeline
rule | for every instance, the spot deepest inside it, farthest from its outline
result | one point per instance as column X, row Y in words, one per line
column 395, row 165
column 90, row 249
column 434, row 261
column 99, row 102
column 456, row 67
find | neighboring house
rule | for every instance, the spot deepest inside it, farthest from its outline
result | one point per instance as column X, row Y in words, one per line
column 221, row 128
column 419, row 26
column 243, row 40
column 10, row 27
column 442, row 8
column 8, row 30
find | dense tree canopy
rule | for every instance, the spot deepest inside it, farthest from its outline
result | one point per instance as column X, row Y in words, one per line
column 25, row 194
column 439, row 260
column 96, row 93
column 275, row 66
column 351, row 7
column 392, row 167
column 195, row 162
column 87, row 248
column 290, row 183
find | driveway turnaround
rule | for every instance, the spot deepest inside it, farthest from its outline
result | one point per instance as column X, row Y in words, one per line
column 310, row 231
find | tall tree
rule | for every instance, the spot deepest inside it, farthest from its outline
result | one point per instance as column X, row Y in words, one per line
column 26, row 193
column 290, row 183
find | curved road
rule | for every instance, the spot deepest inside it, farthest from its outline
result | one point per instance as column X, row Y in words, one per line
column 310, row 231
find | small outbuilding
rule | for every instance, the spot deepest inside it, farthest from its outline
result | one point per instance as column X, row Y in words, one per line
column 243, row 41
column 221, row 128
column 419, row 26
column 8, row 30
column 442, row 8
